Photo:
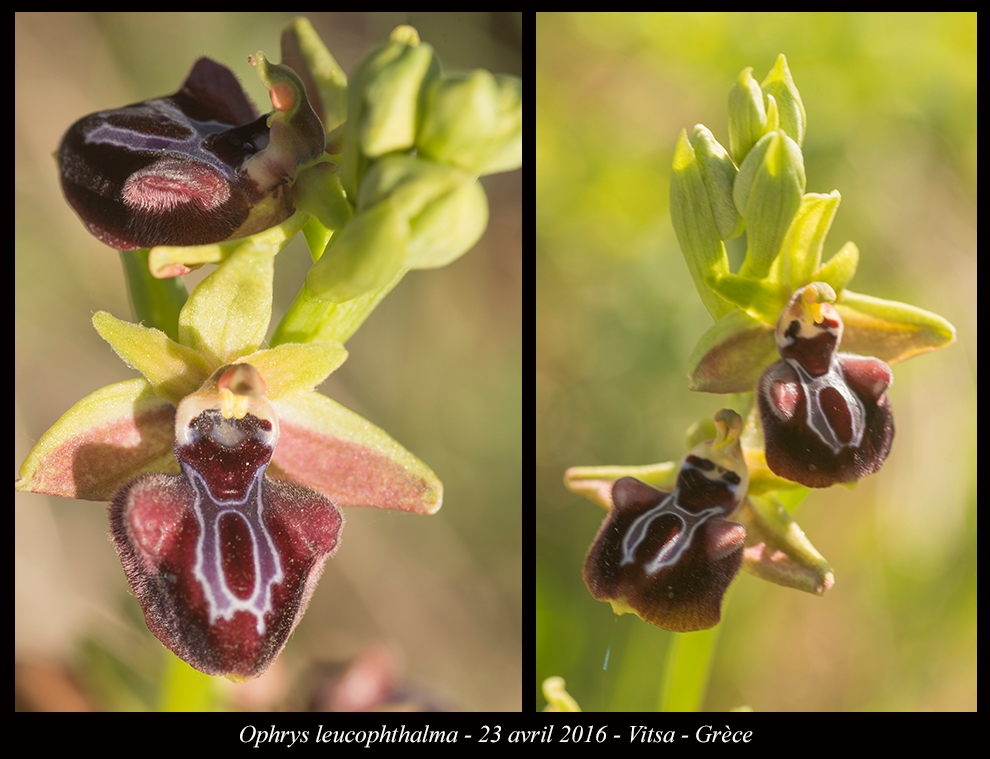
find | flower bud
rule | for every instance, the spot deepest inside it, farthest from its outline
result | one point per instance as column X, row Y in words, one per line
column 384, row 94
column 779, row 85
column 695, row 227
column 768, row 193
column 719, row 174
column 365, row 255
column 195, row 167
column 473, row 121
column 747, row 115
column 446, row 207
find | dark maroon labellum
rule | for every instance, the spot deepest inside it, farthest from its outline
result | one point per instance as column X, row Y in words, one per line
column 670, row 557
column 826, row 415
column 222, row 558
column 168, row 171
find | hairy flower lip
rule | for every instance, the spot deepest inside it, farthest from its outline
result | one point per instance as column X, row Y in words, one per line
column 668, row 564
column 826, row 415
column 223, row 558
column 174, row 170
column 669, row 557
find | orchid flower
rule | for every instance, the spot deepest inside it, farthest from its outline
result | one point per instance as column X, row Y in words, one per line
column 669, row 557
column 191, row 168
column 226, row 470
column 826, row 415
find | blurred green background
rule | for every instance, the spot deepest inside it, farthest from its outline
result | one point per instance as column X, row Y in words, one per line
column 437, row 366
column 891, row 103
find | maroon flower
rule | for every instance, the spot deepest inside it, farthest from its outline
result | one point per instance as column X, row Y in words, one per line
column 222, row 558
column 669, row 557
column 199, row 166
column 826, row 416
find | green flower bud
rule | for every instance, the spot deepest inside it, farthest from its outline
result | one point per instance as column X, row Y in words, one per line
column 446, row 208
column 364, row 255
column 747, row 115
column 473, row 121
column 694, row 224
column 383, row 101
column 719, row 174
column 791, row 114
column 768, row 193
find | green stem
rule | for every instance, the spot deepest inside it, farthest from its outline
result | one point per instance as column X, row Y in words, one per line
column 183, row 689
column 311, row 319
column 689, row 663
column 155, row 302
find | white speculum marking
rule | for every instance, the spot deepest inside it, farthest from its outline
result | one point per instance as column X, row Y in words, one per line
column 673, row 549
column 817, row 420
column 209, row 569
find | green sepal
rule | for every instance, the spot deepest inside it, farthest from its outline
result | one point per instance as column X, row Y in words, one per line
column 731, row 355
column 242, row 286
column 801, row 251
column 889, row 330
column 777, row 549
column 101, row 443
column 595, row 482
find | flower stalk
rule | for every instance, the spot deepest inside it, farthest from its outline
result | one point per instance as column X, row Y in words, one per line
column 805, row 362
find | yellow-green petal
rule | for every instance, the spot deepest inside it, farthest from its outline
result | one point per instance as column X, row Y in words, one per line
column 292, row 369
column 173, row 370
